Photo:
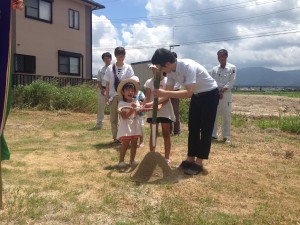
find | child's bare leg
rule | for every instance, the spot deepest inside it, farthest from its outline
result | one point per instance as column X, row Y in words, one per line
column 133, row 149
column 124, row 146
column 167, row 139
column 150, row 142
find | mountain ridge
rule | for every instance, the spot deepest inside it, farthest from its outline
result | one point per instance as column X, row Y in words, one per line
column 261, row 76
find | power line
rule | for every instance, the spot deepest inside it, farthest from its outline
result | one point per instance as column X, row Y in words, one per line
column 236, row 19
column 221, row 32
column 240, row 18
column 233, row 38
column 257, row 28
column 210, row 10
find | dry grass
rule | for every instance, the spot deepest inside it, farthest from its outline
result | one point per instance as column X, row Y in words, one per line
column 62, row 173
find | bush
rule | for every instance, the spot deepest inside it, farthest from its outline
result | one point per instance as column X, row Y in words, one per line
column 48, row 96
column 82, row 98
column 36, row 95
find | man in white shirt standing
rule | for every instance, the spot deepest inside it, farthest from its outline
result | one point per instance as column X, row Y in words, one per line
column 225, row 75
column 113, row 75
column 204, row 94
column 101, row 83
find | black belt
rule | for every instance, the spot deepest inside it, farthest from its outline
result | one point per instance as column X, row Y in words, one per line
column 205, row 93
column 103, row 87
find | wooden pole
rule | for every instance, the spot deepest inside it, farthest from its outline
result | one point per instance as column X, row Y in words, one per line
column 155, row 107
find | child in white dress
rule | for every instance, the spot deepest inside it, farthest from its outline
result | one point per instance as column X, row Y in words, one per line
column 129, row 129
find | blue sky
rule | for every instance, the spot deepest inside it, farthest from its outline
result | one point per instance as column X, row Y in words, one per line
column 257, row 33
column 120, row 9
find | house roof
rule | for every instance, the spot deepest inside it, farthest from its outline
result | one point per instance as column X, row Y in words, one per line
column 141, row 62
column 95, row 4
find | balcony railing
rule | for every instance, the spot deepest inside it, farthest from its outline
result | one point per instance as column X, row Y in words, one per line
column 25, row 79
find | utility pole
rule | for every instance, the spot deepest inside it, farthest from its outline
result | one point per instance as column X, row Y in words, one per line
column 173, row 46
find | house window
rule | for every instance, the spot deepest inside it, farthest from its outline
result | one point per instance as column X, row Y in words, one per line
column 24, row 63
column 39, row 9
column 69, row 63
column 73, row 19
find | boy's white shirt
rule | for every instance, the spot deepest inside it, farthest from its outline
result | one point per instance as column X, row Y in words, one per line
column 109, row 76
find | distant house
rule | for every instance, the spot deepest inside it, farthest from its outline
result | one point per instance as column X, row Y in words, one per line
column 54, row 38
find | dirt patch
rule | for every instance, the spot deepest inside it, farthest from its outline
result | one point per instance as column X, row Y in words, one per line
column 261, row 105
column 154, row 169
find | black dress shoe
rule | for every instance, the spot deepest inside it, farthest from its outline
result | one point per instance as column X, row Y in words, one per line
column 185, row 164
column 194, row 169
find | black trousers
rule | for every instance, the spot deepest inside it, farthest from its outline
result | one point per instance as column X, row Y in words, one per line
column 202, row 115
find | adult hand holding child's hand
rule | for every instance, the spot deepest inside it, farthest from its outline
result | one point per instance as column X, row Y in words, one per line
column 133, row 105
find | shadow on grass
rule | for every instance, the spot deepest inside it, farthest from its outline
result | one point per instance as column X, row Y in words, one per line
column 115, row 168
column 177, row 172
column 108, row 145
column 154, row 169
column 93, row 129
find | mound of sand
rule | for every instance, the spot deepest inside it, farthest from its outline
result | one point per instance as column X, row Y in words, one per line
column 154, row 169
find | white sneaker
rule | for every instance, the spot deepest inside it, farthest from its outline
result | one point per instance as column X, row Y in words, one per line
column 142, row 145
column 122, row 165
column 226, row 140
column 133, row 163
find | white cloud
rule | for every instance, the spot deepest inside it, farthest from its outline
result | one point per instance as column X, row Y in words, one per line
column 105, row 35
column 203, row 27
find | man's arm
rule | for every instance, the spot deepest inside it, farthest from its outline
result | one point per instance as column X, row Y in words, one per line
column 99, row 84
column 107, row 91
column 169, row 93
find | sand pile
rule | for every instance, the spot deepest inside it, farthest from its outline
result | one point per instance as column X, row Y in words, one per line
column 154, row 169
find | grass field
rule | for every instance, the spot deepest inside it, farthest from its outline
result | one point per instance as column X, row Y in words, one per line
column 60, row 172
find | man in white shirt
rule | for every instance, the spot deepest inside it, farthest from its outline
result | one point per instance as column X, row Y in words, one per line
column 113, row 75
column 101, row 83
column 202, row 89
column 225, row 75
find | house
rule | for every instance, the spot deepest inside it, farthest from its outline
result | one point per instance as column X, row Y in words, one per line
column 53, row 38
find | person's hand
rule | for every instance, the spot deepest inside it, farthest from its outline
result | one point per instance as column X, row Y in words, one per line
column 146, row 109
column 221, row 95
column 159, row 107
column 103, row 92
column 148, row 105
column 154, row 69
column 134, row 105
column 158, row 92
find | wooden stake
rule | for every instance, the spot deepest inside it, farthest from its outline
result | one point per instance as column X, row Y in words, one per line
column 155, row 108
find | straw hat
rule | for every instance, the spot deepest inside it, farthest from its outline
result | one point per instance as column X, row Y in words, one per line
column 134, row 80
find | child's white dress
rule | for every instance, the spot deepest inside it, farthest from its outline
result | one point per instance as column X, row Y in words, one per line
column 167, row 110
column 129, row 128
